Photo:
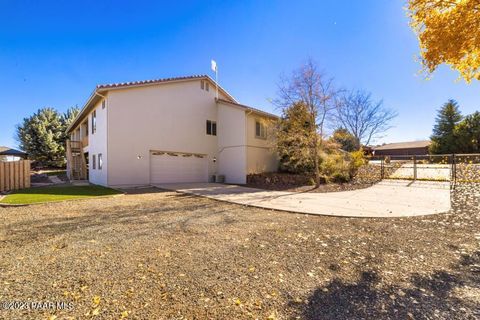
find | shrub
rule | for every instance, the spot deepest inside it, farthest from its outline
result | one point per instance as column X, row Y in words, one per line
column 335, row 167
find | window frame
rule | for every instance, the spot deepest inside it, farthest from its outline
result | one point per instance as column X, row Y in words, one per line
column 100, row 161
column 262, row 134
column 211, row 128
column 94, row 121
column 94, row 162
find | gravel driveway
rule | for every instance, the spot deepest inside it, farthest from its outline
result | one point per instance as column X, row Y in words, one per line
column 163, row 255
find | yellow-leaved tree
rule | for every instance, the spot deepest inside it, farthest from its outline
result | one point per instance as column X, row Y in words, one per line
column 448, row 32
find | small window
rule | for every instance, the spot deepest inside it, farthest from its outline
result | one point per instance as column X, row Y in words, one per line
column 94, row 121
column 260, row 130
column 211, row 128
column 207, row 86
column 103, row 104
column 202, row 84
column 100, row 161
column 94, row 162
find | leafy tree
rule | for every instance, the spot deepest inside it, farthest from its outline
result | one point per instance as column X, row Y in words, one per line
column 468, row 134
column 448, row 33
column 294, row 139
column 362, row 117
column 43, row 135
column 346, row 140
column 444, row 138
column 310, row 87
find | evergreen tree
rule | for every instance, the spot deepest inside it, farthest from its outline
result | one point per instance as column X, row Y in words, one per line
column 294, row 140
column 468, row 134
column 43, row 136
column 346, row 140
column 444, row 138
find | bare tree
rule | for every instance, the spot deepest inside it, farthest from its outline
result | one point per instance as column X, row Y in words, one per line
column 311, row 87
column 362, row 117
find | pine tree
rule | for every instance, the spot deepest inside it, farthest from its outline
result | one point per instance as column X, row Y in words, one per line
column 468, row 134
column 444, row 139
column 346, row 140
column 294, row 140
column 43, row 136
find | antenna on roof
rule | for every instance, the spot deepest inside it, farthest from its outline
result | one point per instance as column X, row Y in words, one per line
column 215, row 69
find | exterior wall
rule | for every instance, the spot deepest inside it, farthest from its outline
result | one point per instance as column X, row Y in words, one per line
column 403, row 152
column 232, row 144
column 167, row 117
column 260, row 154
column 98, row 144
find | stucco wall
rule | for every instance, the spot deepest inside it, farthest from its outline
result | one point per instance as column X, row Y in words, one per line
column 167, row 117
column 97, row 143
column 261, row 157
column 231, row 143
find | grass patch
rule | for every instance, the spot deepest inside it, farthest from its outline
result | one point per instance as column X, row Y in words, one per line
column 56, row 193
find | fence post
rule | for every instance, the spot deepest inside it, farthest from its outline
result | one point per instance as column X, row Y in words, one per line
column 382, row 168
column 454, row 172
column 414, row 168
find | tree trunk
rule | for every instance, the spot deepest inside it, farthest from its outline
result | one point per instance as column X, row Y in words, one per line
column 315, row 155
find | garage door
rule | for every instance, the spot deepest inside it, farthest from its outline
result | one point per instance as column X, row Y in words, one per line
column 176, row 167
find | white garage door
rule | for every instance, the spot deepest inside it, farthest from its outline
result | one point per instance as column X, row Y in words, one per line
column 175, row 168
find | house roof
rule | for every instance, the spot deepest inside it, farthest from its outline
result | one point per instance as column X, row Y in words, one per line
column 6, row 151
column 103, row 88
column 258, row 111
column 404, row 145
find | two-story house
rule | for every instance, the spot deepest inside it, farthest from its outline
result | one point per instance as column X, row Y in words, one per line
column 167, row 131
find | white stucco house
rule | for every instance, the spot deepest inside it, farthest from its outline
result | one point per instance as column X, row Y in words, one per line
column 167, row 131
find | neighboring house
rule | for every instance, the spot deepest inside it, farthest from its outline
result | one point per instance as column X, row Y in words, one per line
column 411, row 148
column 167, row 131
column 9, row 154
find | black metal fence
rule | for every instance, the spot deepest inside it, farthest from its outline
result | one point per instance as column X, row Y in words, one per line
column 453, row 168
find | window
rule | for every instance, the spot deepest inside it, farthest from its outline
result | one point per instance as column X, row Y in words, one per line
column 94, row 121
column 94, row 162
column 103, row 104
column 260, row 130
column 100, row 161
column 211, row 128
column 204, row 85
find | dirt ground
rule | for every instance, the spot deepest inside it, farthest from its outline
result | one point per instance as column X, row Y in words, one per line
column 161, row 255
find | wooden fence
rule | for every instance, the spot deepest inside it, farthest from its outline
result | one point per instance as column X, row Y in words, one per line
column 14, row 175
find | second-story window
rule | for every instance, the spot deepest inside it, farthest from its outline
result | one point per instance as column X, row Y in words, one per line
column 204, row 85
column 260, row 130
column 94, row 121
column 211, row 128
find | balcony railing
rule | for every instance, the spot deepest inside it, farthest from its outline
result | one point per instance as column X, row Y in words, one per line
column 85, row 141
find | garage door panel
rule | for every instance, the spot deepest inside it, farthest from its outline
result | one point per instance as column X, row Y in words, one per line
column 174, row 169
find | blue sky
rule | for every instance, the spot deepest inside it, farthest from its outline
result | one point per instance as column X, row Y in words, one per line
column 53, row 53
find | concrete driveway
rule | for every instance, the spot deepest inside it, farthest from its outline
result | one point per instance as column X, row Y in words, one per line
column 397, row 198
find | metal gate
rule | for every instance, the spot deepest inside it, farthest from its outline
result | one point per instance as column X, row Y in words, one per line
column 453, row 168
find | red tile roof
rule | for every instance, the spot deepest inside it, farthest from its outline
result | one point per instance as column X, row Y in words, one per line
column 153, row 81
column 258, row 111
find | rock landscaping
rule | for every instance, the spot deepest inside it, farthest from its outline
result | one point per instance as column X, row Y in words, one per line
column 162, row 255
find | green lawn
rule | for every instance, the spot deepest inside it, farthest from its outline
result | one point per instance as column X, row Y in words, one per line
column 56, row 193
